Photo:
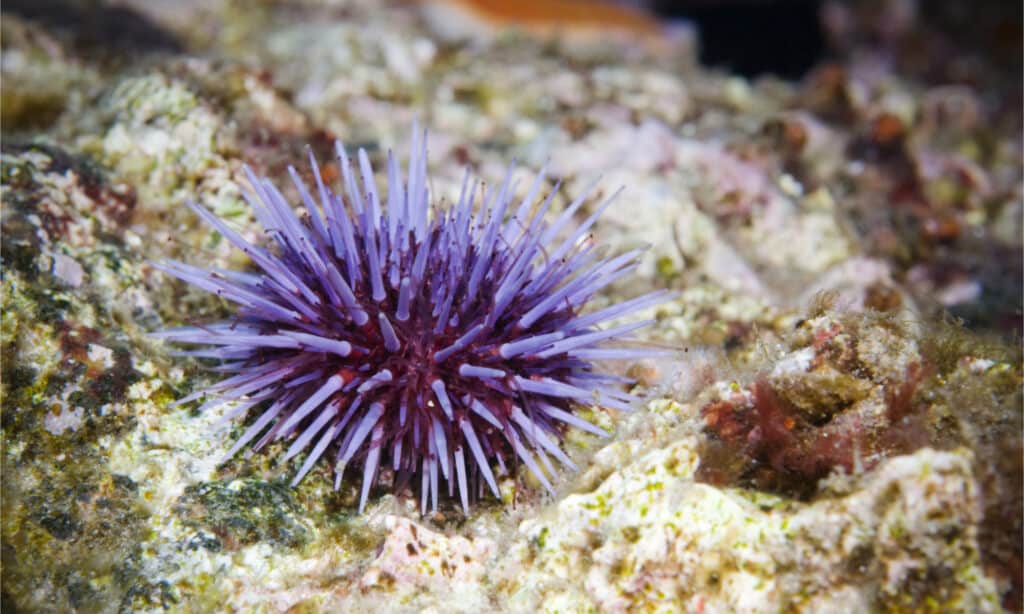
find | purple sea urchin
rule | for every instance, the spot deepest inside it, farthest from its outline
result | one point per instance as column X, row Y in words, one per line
column 439, row 343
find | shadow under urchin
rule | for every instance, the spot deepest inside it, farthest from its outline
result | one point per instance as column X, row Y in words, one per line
column 440, row 344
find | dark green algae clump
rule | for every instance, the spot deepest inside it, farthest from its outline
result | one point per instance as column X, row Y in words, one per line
column 230, row 514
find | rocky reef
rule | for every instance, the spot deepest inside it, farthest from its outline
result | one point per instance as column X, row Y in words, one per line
column 837, row 423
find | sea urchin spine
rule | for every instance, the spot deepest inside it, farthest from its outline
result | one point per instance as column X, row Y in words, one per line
column 438, row 344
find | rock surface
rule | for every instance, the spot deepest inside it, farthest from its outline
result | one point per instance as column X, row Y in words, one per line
column 820, row 440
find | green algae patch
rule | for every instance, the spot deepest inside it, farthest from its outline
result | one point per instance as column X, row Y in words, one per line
column 73, row 532
column 245, row 511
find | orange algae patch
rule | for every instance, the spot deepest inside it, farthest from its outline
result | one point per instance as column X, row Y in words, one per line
column 545, row 16
column 577, row 20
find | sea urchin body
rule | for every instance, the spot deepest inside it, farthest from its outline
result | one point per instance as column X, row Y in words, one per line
column 433, row 344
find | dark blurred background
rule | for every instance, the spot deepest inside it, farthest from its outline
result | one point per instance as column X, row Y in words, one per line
column 749, row 37
column 788, row 37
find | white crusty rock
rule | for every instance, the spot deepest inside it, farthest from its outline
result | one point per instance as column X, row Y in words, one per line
column 651, row 539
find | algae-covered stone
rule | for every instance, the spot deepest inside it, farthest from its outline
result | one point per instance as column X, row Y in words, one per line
column 71, row 525
column 166, row 139
column 41, row 76
column 651, row 539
